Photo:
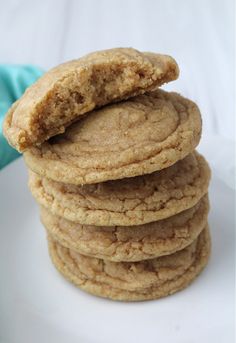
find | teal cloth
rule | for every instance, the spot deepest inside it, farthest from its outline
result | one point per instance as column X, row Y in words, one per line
column 14, row 79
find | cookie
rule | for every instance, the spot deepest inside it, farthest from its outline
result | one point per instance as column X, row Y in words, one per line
column 133, row 281
column 127, row 202
column 141, row 135
column 130, row 243
column 68, row 91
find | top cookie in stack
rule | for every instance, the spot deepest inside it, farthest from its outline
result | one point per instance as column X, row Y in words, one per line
column 72, row 89
column 112, row 163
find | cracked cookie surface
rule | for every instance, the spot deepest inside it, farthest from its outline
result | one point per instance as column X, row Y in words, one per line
column 141, row 135
column 131, row 243
column 133, row 281
column 77, row 87
column 127, row 202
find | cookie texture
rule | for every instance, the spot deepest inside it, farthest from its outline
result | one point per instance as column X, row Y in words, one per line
column 133, row 281
column 141, row 135
column 71, row 89
column 130, row 243
column 127, row 202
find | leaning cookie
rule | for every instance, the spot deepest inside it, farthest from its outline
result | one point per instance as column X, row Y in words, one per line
column 139, row 136
column 127, row 202
column 133, row 281
column 71, row 89
column 130, row 243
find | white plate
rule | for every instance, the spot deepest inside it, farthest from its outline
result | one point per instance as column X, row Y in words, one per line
column 38, row 306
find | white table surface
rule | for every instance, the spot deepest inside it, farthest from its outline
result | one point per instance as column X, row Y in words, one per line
column 198, row 33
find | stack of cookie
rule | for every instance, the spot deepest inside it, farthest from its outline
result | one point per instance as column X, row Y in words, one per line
column 122, row 192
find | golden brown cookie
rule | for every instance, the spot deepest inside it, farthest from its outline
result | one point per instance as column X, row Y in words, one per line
column 135, row 137
column 127, row 202
column 130, row 243
column 76, row 87
column 133, row 281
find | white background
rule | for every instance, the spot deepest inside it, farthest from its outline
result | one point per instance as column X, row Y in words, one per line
column 198, row 33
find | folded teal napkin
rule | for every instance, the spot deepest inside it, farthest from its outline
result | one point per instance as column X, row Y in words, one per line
column 14, row 79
